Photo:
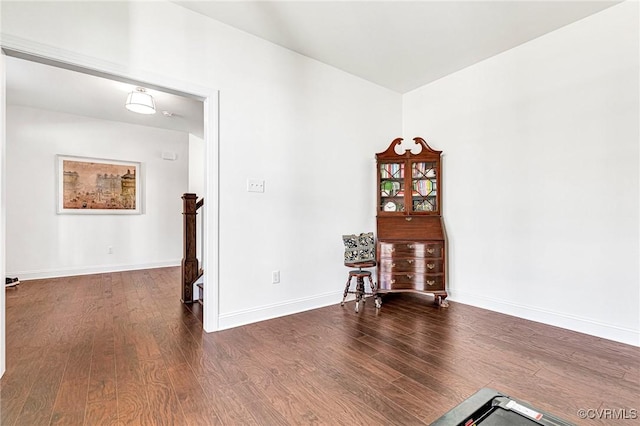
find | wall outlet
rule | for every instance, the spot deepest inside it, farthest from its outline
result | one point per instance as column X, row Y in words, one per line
column 275, row 277
column 110, row 250
column 255, row 185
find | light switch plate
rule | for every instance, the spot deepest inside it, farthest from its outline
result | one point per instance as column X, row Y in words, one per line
column 255, row 185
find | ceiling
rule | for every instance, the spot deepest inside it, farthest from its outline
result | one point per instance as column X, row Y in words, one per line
column 49, row 87
column 400, row 45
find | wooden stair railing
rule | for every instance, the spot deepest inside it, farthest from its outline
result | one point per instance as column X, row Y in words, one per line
column 191, row 271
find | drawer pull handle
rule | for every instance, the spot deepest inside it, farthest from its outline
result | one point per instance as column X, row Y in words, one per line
column 431, row 282
column 409, row 246
column 431, row 250
column 393, row 281
column 409, row 261
column 409, row 276
column 392, row 249
column 431, row 265
column 393, row 265
column 408, row 218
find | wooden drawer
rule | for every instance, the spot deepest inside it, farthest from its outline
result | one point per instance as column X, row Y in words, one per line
column 407, row 249
column 410, row 227
column 424, row 265
column 408, row 281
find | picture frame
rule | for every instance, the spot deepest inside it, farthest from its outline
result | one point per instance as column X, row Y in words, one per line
column 98, row 186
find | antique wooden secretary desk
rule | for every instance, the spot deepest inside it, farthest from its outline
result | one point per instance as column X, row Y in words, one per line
column 411, row 239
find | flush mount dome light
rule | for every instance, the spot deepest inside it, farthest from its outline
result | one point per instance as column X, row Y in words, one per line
column 141, row 102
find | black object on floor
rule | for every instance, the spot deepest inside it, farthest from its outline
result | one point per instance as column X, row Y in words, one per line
column 488, row 407
column 11, row 282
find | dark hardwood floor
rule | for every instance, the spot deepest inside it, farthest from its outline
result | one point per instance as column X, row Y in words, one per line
column 120, row 349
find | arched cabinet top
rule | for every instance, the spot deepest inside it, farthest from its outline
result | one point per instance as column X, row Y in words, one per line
column 425, row 150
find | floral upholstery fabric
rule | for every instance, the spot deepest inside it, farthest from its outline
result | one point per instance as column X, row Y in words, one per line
column 359, row 248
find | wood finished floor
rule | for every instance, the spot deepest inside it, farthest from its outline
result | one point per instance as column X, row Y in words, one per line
column 119, row 348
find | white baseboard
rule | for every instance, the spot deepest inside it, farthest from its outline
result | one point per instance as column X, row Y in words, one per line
column 262, row 313
column 558, row 319
column 88, row 270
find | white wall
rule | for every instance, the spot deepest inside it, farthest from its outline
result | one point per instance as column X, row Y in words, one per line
column 541, row 175
column 3, row 204
column 43, row 243
column 197, row 170
column 309, row 130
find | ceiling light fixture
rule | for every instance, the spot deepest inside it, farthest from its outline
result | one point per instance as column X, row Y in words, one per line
column 141, row 102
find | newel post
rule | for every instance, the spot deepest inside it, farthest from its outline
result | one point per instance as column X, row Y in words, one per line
column 189, row 259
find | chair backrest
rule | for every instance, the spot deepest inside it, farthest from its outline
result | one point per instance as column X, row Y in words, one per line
column 359, row 248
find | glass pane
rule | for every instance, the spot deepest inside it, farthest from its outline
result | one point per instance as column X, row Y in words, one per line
column 392, row 187
column 392, row 171
column 424, row 187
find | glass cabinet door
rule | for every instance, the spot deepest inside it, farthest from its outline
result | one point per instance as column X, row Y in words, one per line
column 392, row 187
column 424, row 187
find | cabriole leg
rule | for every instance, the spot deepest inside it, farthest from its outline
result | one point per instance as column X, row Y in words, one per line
column 440, row 301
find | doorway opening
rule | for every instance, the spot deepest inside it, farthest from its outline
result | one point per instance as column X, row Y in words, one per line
column 59, row 99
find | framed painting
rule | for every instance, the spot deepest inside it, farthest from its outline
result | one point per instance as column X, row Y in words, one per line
column 97, row 186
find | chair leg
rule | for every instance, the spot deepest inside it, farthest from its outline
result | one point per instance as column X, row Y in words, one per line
column 374, row 291
column 362, row 291
column 346, row 290
column 359, row 292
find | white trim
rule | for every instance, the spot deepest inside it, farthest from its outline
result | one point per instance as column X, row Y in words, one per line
column 557, row 319
column 27, row 49
column 3, row 204
column 38, row 52
column 211, row 215
column 262, row 313
column 89, row 270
